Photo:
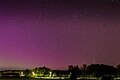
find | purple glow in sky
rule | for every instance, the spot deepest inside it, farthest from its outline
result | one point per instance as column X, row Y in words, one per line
column 57, row 33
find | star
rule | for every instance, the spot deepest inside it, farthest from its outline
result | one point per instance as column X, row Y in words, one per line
column 113, row 0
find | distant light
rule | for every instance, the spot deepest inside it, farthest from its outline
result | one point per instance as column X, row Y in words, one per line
column 50, row 74
column 33, row 73
column 21, row 74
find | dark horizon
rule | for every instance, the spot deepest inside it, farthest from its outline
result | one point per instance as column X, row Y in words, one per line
column 65, row 67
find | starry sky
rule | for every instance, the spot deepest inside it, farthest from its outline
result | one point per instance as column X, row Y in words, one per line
column 58, row 33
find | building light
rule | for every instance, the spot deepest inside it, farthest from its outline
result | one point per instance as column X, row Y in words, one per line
column 33, row 73
column 22, row 74
column 50, row 74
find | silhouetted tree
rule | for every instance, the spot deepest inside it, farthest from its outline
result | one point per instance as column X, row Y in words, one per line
column 27, row 73
column 42, row 71
column 74, row 71
column 61, row 73
column 100, row 70
column 118, row 70
column 84, row 70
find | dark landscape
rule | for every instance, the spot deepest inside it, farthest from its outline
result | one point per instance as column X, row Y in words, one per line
column 84, row 72
column 59, row 39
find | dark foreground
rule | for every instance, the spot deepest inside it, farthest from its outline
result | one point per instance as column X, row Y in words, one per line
column 33, row 79
column 43, row 79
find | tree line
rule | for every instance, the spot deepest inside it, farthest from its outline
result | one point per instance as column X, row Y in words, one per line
column 75, row 71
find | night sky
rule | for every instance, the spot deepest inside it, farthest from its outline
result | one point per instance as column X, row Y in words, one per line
column 58, row 33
